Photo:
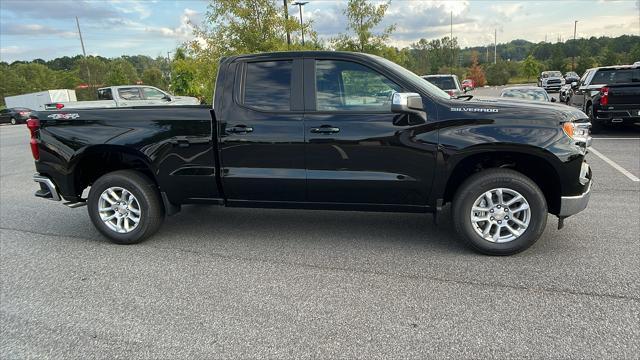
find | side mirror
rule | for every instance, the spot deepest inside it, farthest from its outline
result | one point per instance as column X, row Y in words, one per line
column 574, row 84
column 553, row 99
column 167, row 97
column 409, row 103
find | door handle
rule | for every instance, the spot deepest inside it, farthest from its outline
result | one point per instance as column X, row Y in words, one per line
column 240, row 129
column 183, row 143
column 325, row 129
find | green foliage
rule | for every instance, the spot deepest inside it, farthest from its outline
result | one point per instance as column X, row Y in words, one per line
column 429, row 57
column 531, row 67
column 583, row 63
column 153, row 77
column 362, row 17
column 121, row 72
column 497, row 74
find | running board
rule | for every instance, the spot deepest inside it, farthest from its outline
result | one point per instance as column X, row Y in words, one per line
column 74, row 205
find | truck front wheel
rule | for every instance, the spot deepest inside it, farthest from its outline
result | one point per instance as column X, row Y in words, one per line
column 125, row 206
column 499, row 212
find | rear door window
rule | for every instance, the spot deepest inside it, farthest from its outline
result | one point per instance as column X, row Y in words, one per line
column 267, row 85
column 105, row 94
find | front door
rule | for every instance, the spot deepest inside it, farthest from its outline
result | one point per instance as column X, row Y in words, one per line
column 262, row 136
column 357, row 150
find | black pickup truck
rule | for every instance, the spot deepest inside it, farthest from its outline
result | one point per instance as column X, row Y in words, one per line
column 608, row 95
column 321, row 130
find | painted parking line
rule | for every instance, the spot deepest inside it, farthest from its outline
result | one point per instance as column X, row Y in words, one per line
column 614, row 164
column 615, row 138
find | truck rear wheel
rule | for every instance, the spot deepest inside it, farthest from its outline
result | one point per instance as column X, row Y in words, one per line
column 125, row 206
column 499, row 212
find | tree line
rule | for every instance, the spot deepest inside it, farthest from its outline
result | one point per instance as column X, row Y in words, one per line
column 233, row 27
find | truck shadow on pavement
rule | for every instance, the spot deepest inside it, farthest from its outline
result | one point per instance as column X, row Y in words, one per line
column 308, row 229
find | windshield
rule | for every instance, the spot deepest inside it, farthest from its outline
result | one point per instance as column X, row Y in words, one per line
column 526, row 94
column 616, row 76
column 443, row 82
column 547, row 74
column 416, row 80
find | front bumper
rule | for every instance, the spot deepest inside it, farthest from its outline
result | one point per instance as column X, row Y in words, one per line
column 571, row 205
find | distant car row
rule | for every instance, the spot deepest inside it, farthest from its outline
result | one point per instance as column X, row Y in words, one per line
column 113, row 96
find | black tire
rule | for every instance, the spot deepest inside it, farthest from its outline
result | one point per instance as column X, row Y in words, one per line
column 596, row 126
column 13, row 121
column 487, row 180
column 145, row 191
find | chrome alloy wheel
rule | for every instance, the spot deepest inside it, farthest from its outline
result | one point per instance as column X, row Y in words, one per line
column 119, row 210
column 500, row 215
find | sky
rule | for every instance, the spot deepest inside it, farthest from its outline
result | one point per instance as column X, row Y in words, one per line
column 46, row 29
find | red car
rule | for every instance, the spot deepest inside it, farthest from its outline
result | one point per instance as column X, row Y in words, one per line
column 467, row 84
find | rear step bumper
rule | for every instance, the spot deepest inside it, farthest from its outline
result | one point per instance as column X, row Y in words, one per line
column 49, row 191
column 47, row 188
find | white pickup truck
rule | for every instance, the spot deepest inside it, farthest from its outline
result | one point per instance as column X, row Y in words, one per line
column 125, row 96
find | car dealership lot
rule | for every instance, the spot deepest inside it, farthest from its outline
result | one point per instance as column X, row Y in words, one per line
column 253, row 283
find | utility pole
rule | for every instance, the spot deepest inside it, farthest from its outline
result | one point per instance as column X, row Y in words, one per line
column 495, row 46
column 300, row 5
column 84, row 54
column 573, row 58
column 487, row 54
column 451, row 39
column 286, row 22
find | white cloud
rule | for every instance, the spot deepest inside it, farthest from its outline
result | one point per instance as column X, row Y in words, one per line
column 184, row 30
column 508, row 10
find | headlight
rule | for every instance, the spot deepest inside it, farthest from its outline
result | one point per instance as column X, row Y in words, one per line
column 579, row 132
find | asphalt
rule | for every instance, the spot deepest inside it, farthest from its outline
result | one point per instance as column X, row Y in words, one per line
column 254, row 283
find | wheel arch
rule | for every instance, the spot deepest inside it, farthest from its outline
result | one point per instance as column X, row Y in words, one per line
column 537, row 167
column 95, row 161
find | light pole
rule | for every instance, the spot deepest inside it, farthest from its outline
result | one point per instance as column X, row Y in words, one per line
column 286, row 21
column 573, row 58
column 300, row 5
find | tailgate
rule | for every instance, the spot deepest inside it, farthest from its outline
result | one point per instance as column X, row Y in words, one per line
column 624, row 94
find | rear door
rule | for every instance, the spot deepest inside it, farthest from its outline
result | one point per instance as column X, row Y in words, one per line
column 262, row 135
column 357, row 150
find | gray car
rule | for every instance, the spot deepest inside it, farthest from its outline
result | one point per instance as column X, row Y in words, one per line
column 530, row 93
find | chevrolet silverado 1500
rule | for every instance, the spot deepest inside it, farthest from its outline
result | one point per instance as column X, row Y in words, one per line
column 321, row 130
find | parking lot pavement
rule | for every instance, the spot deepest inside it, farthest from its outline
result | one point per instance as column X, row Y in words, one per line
column 255, row 283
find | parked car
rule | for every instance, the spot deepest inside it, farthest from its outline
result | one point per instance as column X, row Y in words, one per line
column 127, row 95
column 391, row 143
column 467, row 84
column 551, row 80
column 570, row 77
column 15, row 115
column 38, row 100
column 609, row 95
column 531, row 93
column 565, row 93
column 449, row 83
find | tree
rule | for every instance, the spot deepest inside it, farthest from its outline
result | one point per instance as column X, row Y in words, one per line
column 531, row 67
column 363, row 17
column 497, row 74
column 153, row 77
column 475, row 72
column 121, row 72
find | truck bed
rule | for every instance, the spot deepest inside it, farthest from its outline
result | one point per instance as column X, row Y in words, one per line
column 175, row 141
